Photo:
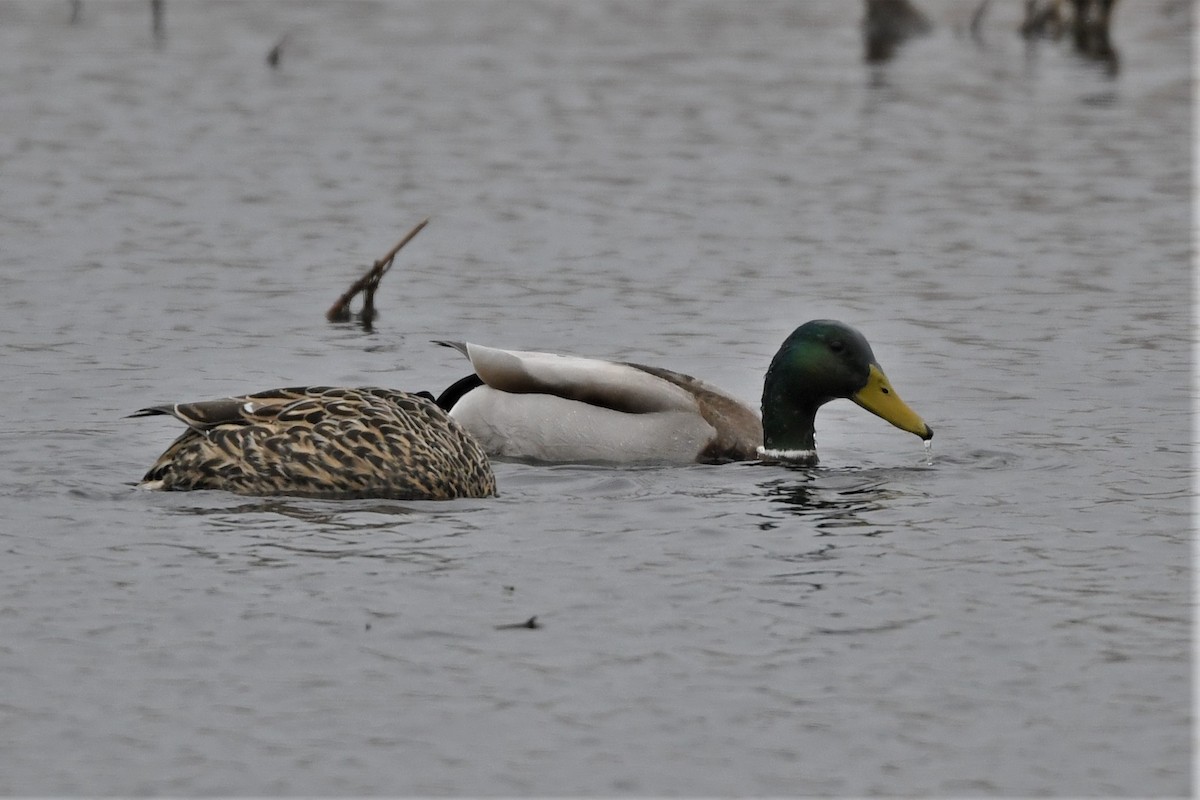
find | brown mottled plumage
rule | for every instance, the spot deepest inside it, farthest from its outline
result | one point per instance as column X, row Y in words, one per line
column 322, row 441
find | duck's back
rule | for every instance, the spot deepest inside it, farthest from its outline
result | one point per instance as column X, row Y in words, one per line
column 323, row 442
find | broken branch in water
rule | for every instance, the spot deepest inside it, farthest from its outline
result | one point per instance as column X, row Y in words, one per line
column 367, row 284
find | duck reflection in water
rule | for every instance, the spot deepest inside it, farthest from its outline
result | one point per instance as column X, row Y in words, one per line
column 838, row 500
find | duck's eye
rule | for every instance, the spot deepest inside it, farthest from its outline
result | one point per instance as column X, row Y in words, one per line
column 837, row 345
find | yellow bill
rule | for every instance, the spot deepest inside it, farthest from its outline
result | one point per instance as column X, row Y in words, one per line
column 881, row 399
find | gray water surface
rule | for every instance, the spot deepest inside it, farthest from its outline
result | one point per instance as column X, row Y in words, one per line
column 676, row 183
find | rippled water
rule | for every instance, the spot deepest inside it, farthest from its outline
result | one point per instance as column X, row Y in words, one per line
column 679, row 183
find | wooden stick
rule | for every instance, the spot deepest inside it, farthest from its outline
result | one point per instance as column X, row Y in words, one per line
column 157, row 8
column 340, row 311
column 276, row 52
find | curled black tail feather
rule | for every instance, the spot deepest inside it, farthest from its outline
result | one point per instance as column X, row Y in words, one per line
column 456, row 390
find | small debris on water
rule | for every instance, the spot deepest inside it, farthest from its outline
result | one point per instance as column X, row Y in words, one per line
column 276, row 52
column 531, row 623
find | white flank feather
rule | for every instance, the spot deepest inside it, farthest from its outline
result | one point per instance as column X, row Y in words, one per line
column 543, row 427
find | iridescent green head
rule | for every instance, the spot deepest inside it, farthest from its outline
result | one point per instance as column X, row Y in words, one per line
column 821, row 361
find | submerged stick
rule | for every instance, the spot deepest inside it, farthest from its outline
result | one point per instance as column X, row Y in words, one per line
column 977, row 21
column 157, row 25
column 276, row 52
column 340, row 311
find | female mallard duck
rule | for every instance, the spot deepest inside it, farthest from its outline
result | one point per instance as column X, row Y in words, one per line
column 320, row 441
column 545, row 407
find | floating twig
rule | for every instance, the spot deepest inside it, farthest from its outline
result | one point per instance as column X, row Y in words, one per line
column 368, row 283
column 977, row 21
column 276, row 52
column 531, row 623
column 1089, row 22
column 888, row 24
column 157, row 24
column 1043, row 19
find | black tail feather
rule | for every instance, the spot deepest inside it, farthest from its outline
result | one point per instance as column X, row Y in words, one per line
column 456, row 390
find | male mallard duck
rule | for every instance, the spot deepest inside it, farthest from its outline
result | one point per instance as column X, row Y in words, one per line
column 546, row 407
column 320, row 441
